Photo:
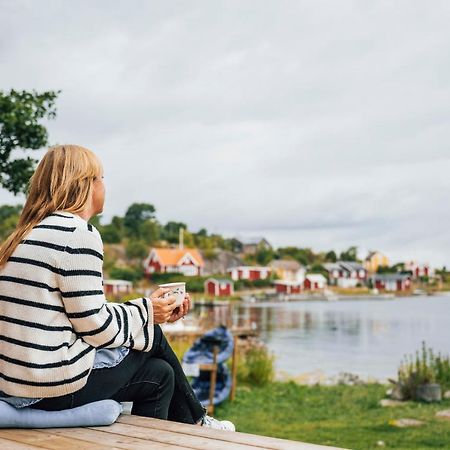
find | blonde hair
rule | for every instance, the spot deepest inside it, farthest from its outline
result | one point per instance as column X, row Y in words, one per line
column 63, row 180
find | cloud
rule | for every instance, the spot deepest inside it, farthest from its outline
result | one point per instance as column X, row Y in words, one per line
column 321, row 124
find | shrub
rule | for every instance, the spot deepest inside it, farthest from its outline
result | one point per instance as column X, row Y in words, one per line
column 126, row 273
column 255, row 365
column 425, row 368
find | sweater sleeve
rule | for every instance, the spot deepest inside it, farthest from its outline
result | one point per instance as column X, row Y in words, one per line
column 98, row 322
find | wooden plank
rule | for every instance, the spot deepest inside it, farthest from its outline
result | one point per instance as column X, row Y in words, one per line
column 43, row 438
column 234, row 368
column 109, row 438
column 6, row 444
column 173, row 438
column 220, row 435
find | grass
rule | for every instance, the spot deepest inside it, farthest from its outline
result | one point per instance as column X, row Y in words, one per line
column 341, row 416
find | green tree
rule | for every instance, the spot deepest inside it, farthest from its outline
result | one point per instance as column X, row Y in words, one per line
column 264, row 256
column 171, row 231
column 350, row 254
column 150, row 231
column 9, row 217
column 331, row 256
column 135, row 216
column 111, row 234
column 136, row 249
column 20, row 128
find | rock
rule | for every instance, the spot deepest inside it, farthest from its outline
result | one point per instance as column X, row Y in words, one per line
column 388, row 403
column 397, row 393
column 404, row 423
column 349, row 379
column 445, row 414
column 429, row 392
column 447, row 395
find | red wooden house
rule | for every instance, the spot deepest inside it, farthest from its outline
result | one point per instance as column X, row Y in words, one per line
column 219, row 287
column 392, row 282
column 288, row 287
column 117, row 287
column 314, row 282
column 186, row 261
column 249, row 273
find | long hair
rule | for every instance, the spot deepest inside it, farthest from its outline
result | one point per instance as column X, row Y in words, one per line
column 63, row 180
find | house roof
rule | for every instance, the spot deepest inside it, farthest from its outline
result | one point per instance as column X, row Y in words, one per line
column 288, row 282
column 391, row 276
column 264, row 268
column 117, row 282
column 350, row 265
column 220, row 280
column 286, row 264
column 253, row 240
column 331, row 266
column 172, row 256
column 316, row 277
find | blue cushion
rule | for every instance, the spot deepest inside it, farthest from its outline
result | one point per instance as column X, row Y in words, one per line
column 102, row 412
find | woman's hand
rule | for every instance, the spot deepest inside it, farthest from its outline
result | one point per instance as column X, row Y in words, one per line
column 182, row 310
column 162, row 307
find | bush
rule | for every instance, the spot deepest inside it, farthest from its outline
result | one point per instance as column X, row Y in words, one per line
column 255, row 365
column 425, row 368
column 129, row 274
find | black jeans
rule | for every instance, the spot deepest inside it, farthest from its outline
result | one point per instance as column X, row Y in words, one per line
column 154, row 381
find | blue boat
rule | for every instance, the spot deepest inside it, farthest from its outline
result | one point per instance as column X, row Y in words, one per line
column 201, row 351
column 201, row 385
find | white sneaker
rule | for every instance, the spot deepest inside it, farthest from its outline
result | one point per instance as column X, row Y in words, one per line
column 210, row 422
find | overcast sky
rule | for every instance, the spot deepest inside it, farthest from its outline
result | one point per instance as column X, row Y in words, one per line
column 321, row 124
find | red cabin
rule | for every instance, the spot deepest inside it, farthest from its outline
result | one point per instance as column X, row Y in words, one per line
column 288, row 287
column 117, row 287
column 249, row 273
column 187, row 261
column 219, row 287
column 392, row 282
column 315, row 281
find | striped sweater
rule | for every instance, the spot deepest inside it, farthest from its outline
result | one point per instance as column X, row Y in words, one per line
column 54, row 314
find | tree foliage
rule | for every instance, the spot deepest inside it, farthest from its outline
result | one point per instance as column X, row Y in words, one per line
column 137, row 214
column 21, row 114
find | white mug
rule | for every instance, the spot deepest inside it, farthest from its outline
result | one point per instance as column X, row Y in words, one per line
column 176, row 289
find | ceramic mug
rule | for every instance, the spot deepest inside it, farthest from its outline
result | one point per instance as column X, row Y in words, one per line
column 176, row 289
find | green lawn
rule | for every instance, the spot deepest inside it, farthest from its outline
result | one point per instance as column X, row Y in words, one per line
column 343, row 416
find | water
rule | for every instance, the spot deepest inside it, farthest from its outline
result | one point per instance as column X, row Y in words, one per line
column 368, row 337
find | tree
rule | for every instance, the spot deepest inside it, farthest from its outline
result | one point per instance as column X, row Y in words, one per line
column 150, row 231
column 171, row 231
column 9, row 218
column 264, row 256
column 135, row 216
column 331, row 256
column 350, row 254
column 136, row 249
column 20, row 114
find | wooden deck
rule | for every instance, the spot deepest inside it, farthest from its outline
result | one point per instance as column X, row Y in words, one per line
column 136, row 433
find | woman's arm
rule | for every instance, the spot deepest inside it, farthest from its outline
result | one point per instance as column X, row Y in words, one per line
column 98, row 322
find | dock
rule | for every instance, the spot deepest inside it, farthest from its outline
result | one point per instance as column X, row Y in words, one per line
column 139, row 433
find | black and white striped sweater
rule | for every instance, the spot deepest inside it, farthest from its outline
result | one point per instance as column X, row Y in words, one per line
column 53, row 311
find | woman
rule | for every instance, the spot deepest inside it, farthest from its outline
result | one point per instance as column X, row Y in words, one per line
column 61, row 343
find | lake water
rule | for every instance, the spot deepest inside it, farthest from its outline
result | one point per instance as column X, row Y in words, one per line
column 368, row 337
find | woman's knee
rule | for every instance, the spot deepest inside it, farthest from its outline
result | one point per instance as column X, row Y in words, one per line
column 163, row 369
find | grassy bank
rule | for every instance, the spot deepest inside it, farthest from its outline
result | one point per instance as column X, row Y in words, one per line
column 343, row 416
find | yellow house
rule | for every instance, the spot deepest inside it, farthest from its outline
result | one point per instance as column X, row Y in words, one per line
column 289, row 270
column 375, row 260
